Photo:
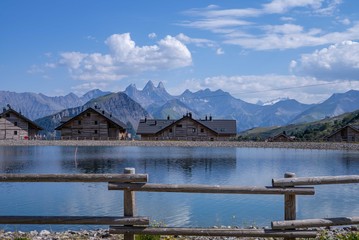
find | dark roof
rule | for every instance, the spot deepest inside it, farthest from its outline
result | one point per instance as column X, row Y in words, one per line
column 106, row 115
column 153, row 126
column 354, row 127
column 31, row 123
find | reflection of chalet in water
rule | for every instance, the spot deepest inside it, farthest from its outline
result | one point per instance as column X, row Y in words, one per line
column 187, row 128
column 13, row 125
column 93, row 124
column 349, row 133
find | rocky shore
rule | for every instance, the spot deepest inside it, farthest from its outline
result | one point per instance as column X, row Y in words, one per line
column 103, row 234
column 295, row 145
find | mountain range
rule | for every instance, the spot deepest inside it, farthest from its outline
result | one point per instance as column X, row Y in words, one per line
column 155, row 102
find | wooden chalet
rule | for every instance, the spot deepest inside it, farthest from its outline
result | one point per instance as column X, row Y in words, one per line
column 282, row 137
column 15, row 126
column 187, row 128
column 93, row 124
column 349, row 133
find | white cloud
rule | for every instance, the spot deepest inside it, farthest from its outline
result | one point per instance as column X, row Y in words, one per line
column 287, row 19
column 330, row 8
column 338, row 61
column 345, row 21
column 219, row 51
column 290, row 36
column 282, row 6
column 235, row 28
column 152, row 35
column 200, row 42
column 125, row 58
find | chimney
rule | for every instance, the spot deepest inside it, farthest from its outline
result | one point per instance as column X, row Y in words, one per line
column 210, row 118
column 190, row 115
column 168, row 117
column 103, row 112
column 206, row 118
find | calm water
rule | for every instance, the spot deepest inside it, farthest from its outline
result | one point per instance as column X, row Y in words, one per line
column 225, row 166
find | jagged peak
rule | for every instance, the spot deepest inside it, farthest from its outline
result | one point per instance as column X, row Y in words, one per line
column 149, row 85
column 132, row 86
column 161, row 85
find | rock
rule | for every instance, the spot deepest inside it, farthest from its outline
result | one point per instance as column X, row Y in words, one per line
column 44, row 233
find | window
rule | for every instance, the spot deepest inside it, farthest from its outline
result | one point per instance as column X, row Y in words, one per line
column 15, row 123
column 170, row 130
column 88, row 114
column 95, row 131
column 15, row 132
column 179, row 125
column 202, row 130
column 79, row 122
column 96, row 122
column 7, row 115
column 193, row 130
column 79, row 132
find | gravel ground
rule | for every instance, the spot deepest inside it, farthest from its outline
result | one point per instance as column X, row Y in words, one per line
column 296, row 145
column 103, row 234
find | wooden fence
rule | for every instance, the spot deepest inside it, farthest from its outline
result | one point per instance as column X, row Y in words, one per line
column 130, row 224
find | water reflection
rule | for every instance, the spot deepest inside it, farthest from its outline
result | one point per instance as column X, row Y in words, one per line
column 225, row 166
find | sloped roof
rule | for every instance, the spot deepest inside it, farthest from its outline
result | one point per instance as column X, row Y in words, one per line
column 31, row 123
column 153, row 126
column 354, row 127
column 106, row 115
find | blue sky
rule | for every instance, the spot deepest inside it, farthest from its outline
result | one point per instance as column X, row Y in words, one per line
column 256, row 50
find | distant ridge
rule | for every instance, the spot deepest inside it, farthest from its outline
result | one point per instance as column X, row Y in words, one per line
column 34, row 106
column 155, row 101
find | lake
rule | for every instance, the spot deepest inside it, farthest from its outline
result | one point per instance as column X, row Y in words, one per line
column 177, row 165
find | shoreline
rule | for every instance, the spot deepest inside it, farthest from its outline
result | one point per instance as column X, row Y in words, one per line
column 231, row 144
column 103, row 234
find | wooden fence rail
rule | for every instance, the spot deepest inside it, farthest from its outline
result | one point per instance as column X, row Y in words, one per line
column 301, row 181
column 211, row 232
column 323, row 222
column 87, row 220
column 199, row 188
column 130, row 224
column 74, row 178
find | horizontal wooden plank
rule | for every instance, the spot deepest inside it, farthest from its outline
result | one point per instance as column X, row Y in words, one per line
column 301, row 181
column 213, row 232
column 322, row 222
column 199, row 188
column 73, row 177
column 93, row 220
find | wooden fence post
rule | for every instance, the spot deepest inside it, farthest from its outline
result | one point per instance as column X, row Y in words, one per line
column 289, row 203
column 129, row 204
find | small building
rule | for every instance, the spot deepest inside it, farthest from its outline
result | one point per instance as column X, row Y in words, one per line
column 282, row 137
column 349, row 133
column 92, row 124
column 15, row 126
column 187, row 128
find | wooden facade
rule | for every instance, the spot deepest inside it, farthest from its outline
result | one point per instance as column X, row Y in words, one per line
column 93, row 124
column 281, row 138
column 14, row 126
column 187, row 128
column 348, row 133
